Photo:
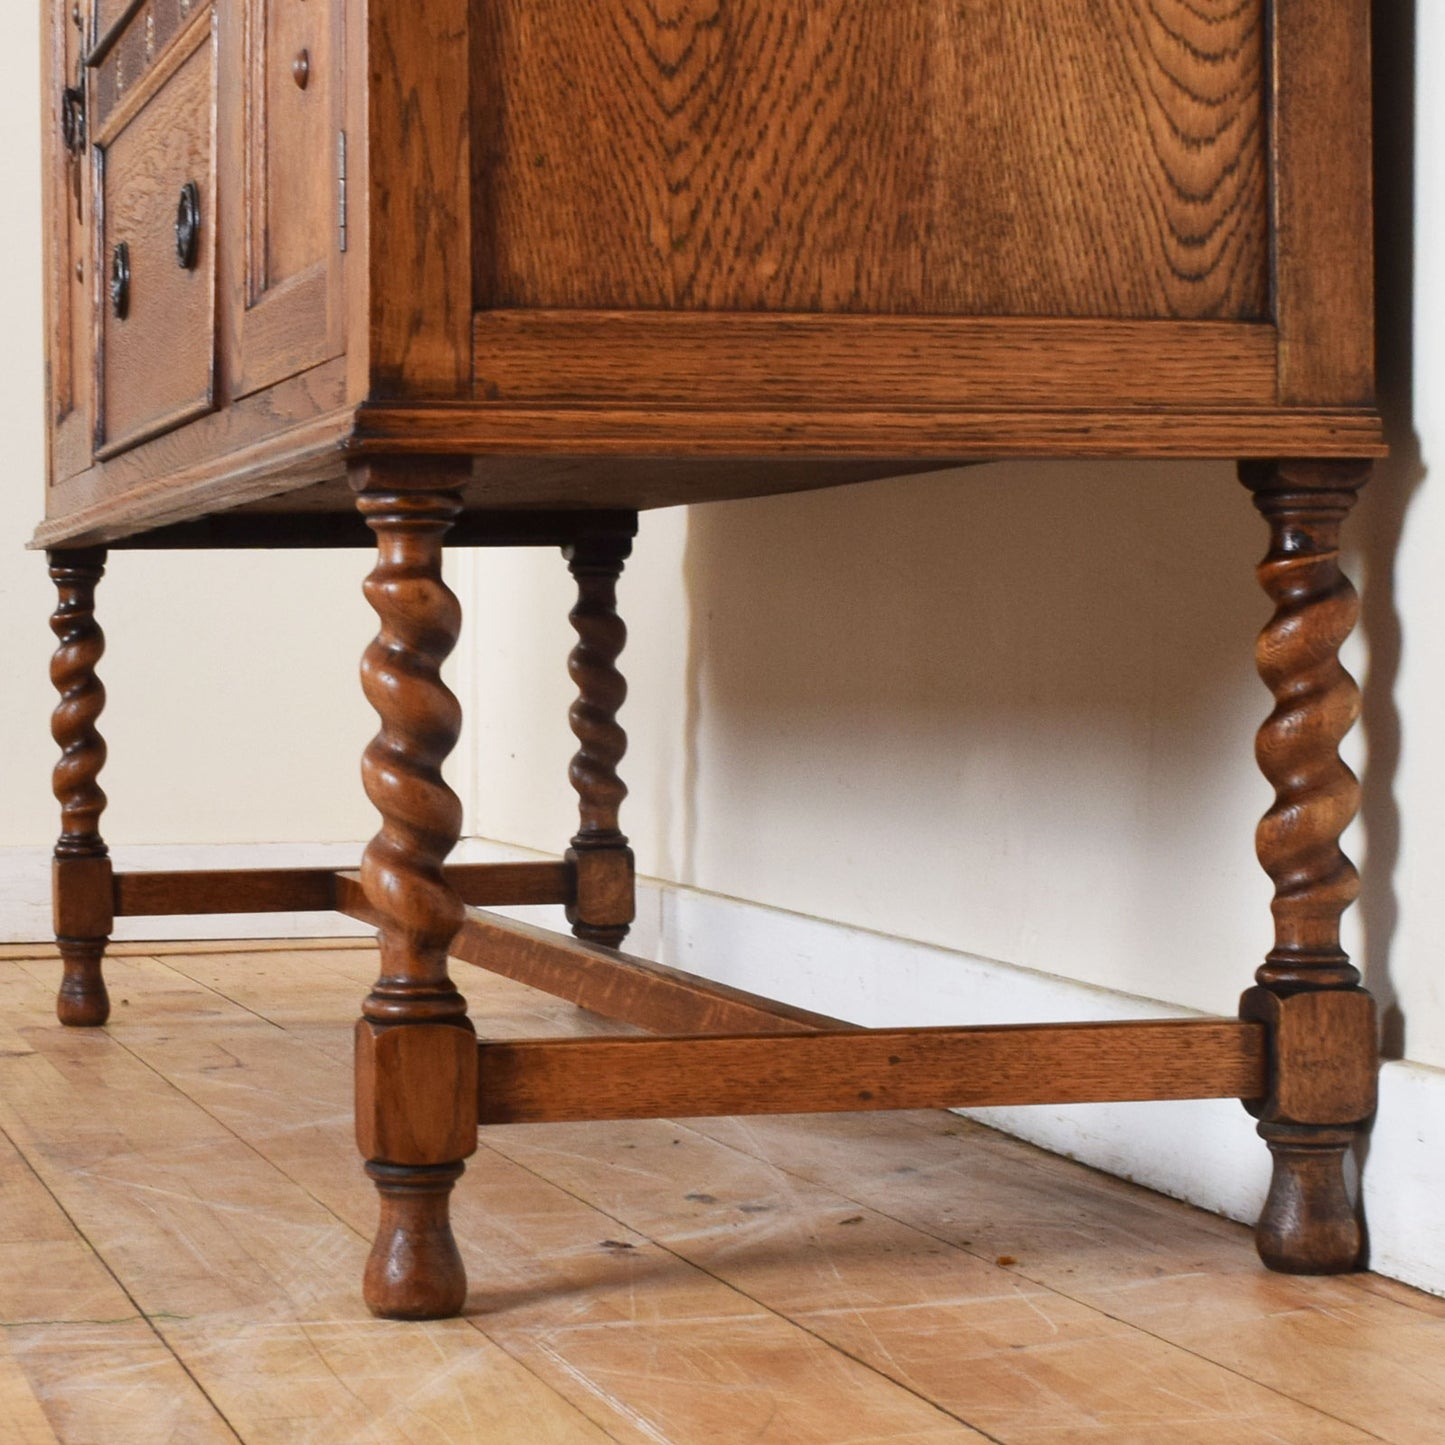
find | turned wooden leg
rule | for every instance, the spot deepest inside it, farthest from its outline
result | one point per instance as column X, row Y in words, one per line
column 416, row 1052
column 81, row 873
column 604, row 906
column 1323, row 1054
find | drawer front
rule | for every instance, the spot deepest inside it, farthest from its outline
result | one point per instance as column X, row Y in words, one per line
column 156, row 267
column 1074, row 158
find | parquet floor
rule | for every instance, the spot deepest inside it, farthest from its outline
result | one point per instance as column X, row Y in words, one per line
column 183, row 1223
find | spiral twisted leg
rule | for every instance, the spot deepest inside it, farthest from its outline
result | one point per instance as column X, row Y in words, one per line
column 416, row 1100
column 82, row 870
column 604, row 905
column 1308, row 994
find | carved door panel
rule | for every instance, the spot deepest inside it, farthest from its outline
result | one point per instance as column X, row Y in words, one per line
column 285, row 150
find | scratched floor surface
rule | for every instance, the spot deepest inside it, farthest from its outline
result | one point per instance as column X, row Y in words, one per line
column 183, row 1222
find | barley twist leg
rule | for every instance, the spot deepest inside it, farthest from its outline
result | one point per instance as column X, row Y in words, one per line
column 81, row 881
column 604, row 907
column 1321, row 1021
column 416, row 1050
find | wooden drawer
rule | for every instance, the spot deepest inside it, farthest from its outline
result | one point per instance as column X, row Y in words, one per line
column 156, row 263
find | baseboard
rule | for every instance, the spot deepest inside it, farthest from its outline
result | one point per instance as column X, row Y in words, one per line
column 1203, row 1152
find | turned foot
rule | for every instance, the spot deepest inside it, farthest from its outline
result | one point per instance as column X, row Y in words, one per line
column 415, row 1270
column 1309, row 1224
column 82, row 1001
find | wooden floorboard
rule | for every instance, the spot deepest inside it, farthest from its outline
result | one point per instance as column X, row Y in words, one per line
column 184, row 1221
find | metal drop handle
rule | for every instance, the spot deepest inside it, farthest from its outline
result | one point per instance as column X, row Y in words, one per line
column 188, row 226
column 120, row 281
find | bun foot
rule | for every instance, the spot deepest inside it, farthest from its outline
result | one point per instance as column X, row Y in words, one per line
column 415, row 1271
column 1309, row 1224
column 82, row 1001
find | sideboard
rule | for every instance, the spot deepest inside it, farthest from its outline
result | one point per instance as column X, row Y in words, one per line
column 327, row 273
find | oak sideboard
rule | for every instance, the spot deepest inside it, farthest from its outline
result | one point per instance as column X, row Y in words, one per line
column 327, row 273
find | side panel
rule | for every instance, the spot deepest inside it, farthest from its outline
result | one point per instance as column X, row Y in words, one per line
column 1323, row 209
column 1028, row 158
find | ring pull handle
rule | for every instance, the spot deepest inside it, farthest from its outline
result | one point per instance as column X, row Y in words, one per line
column 188, row 226
column 120, row 281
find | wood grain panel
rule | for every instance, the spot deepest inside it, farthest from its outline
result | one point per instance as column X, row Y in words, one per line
column 1322, row 199
column 911, row 434
column 279, row 440
column 156, row 367
column 1041, row 157
column 69, row 323
column 551, row 1080
column 416, row 198
column 128, row 65
column 285, row 282
column 744, row 358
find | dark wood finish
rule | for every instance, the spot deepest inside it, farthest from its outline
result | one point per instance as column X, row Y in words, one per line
column 1323, row 1058
column 420, row 1275
column 416, row 1060
column 69, row 308
column 298, row 529
column 139, row 56
column 604, row 904
column 252, row 890
column 487, row 885
column 567, row 261
column 759, row 359
column 1316, row 704
column 82, row 869
column 283, row 439
column 418, row 167
column 1322, row 1054
column 632, row 990
column 285, row 279
column 304, row 890
column 957, row 435
column 840, row 231
column 1323, row 215
column 156, row 365
column 1023, row 159
column 551, row 1080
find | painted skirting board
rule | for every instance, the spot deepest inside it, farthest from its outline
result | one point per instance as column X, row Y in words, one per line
column 1204, row 1152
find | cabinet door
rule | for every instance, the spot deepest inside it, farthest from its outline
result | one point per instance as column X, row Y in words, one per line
column 156, row 254
column 69, row 279
column 285, row 150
